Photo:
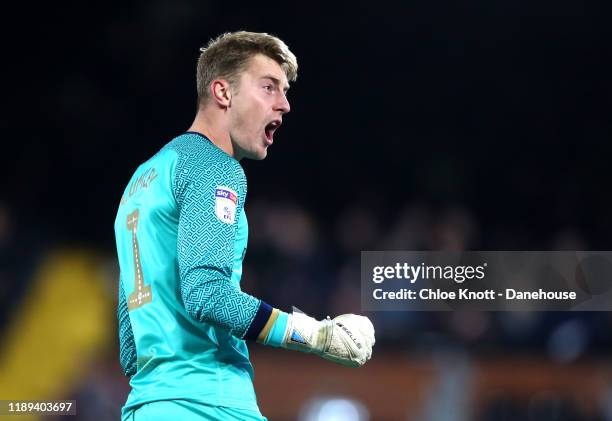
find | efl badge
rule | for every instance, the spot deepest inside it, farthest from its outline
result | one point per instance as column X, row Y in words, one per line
column 226, row 201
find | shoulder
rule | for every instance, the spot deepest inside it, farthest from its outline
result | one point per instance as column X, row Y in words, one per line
column 197, row 156
column 201, row 166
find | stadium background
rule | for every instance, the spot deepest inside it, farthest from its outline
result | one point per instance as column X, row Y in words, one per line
column 414, row 125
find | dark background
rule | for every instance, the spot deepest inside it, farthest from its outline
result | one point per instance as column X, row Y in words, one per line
column 501, row 106
column 414, row 125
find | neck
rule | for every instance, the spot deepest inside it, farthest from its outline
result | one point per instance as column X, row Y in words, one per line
column 212, row 125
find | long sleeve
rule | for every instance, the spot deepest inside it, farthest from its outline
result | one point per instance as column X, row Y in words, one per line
column 210, row 190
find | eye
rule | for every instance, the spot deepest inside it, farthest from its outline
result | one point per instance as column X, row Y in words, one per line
column 269, row 88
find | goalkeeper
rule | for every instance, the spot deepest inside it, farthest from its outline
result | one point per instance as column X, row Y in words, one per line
column 181, row 233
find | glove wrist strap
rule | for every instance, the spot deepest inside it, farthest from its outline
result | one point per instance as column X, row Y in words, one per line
column 306, row 334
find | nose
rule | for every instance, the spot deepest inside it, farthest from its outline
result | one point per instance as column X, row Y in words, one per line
column 282, row 104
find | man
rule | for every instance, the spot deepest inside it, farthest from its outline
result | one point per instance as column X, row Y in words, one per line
column 181, row 235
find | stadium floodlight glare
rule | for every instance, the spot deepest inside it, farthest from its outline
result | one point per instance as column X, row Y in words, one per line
column 334, row 408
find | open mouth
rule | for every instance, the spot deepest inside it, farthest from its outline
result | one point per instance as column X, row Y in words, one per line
column 270, row 129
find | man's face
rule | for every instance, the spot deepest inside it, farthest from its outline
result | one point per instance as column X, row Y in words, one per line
column 258, row 103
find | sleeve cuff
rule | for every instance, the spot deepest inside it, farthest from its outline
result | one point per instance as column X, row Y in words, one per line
column 259, row 322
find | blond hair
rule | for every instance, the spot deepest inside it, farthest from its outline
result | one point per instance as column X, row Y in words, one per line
column 226, row 56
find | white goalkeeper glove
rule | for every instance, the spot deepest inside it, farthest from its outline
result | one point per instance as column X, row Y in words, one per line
column 346, row 340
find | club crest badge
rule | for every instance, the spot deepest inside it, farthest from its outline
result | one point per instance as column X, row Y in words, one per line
column 226, row 202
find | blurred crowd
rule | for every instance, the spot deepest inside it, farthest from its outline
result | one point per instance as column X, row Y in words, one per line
column 295, row 257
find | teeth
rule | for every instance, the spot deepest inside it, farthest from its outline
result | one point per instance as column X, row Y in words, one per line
column 273, row 125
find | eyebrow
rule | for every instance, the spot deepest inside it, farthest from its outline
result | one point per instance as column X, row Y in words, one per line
column 276, row 81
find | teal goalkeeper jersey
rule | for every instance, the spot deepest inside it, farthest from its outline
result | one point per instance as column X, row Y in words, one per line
column 181, row 234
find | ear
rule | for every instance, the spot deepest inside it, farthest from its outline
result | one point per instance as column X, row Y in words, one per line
column 220, row 92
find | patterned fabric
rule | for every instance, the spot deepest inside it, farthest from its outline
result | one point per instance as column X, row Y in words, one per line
column 127, row 348
column 205, row 244
column 191, row 237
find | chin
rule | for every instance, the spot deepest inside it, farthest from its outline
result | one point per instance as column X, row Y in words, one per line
column 260, row 154
column 257, row 155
